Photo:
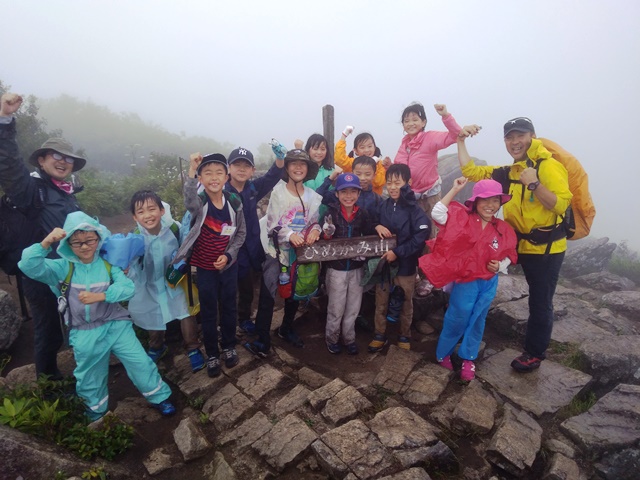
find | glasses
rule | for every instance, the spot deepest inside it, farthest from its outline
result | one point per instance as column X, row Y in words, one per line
column 56, row 156
column 88, row 243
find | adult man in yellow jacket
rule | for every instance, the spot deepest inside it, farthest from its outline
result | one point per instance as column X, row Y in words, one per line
column 539, row 186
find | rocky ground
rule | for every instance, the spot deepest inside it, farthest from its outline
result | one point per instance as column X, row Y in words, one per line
column 307, row 414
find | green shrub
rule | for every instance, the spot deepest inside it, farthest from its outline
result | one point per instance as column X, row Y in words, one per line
column 625, row 262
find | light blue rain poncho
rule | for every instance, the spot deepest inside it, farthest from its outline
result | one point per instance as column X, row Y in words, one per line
column 99, row 329
column 154, row 303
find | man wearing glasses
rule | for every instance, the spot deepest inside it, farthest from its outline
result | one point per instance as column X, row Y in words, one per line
column 49, row 196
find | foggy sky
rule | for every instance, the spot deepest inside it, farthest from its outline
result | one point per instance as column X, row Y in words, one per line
column 246, row 71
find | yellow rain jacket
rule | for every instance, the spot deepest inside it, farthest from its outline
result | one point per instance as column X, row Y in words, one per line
column 524, row 212
column 345, row 162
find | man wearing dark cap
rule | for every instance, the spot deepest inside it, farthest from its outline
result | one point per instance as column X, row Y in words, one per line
column 539, row 186
column 48, row 193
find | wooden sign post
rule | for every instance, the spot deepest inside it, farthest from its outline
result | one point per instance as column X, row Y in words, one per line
column 328, row 126
column 343, row 248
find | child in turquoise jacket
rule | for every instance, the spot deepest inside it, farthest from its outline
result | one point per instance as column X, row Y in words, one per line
column 99, row 326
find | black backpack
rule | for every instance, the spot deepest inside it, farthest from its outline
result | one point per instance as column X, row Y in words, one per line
column 19, row 229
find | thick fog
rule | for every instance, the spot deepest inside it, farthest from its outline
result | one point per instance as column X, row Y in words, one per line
column 246, row 71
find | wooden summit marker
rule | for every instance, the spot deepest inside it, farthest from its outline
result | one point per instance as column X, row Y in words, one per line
column 343, row 248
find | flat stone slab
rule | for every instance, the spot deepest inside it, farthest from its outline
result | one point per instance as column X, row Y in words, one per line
column 612, row 358
column 414, row 473
column 226, row 407
column 562, row 468
column 345, row 405
column 158, row 461
column 425, row 385
column 259, row 382
column 397, row 366
column 613, row 423
column 319, row 397
column 400, row 428
column 219, row 469
column 476, row 411
column 311, row 378
column 516, row 442
column 356, row 446
column 247, row 432
column 627, row 302
column 190, row 383
column 544, row 390
column 285, row 442
column 190, row 440
column 291, row 401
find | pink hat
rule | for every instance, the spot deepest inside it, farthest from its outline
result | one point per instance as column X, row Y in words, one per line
column 487, row 189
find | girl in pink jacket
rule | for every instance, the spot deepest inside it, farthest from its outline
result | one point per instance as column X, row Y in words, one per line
column 419, row 150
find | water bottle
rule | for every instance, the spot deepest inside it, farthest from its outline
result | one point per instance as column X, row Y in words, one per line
column 278, row 149
column 284, row 283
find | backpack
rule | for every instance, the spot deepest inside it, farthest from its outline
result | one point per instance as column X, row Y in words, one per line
column 19, row 228
column 577, row 220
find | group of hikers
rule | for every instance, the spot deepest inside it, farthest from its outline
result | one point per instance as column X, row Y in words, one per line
column 315, row 194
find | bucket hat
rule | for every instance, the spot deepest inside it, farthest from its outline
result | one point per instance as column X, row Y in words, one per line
column 487, row 189
column 297, row 155
column 63, row 147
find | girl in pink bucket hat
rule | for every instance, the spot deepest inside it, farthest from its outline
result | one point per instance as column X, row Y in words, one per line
column 471, row 247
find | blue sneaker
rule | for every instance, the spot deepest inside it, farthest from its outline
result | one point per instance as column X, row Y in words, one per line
column 257, row 348
column 248, row 327
column 334, row 348
column 196, row 359
column 352, row 349
column 157, row 354
column 165, row 408
column 291, row 337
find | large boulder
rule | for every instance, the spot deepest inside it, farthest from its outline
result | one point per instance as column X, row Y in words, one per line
column 10, row 321
column 588, row 256
column 449, row 170
column 605, row 282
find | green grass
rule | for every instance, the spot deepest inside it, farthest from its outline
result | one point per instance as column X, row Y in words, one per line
column 579, row 404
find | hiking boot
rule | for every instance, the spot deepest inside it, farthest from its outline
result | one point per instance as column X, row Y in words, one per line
column 291, row 337
column 446, row 363
column 257, row 348
column 404, row 343
column 230, row 357
column 213, row 367
column 352, row 349
column 196, row 359
column 165, row 408
column 377, row 344
column 525, row 363
column 334, row 348
column 248, row 327
column 468, row 371
column 157, row 354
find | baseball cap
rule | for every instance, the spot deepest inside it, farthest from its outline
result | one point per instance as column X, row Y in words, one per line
column 347, row 180
column 213, row 158
column 241, row 154
column 519, row 124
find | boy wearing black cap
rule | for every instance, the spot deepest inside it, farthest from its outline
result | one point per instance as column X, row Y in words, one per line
column 212, row 246
column 251, row 255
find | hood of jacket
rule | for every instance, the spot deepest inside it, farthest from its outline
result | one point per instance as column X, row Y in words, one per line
column 407, row 197
column 80, row 221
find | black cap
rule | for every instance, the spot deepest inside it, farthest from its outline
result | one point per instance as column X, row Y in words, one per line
column 519, row 124
column 213, row 158
column 241, row 154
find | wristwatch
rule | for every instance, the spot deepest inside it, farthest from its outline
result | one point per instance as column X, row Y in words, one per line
column 533, row 185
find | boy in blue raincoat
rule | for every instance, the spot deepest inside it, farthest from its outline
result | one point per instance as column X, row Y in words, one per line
column 98, row 325
column 154, row 303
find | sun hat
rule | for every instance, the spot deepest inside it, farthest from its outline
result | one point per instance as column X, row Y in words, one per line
column 519, row 124
column 63, row 147
column 297, row 155
column 487, row 189
column 347, row 180
column 241, row 154
column 213, row 158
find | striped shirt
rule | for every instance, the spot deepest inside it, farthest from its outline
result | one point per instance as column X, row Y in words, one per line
column 210, row 243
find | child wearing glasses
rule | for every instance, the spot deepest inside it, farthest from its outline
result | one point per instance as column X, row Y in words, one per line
column 88, row 290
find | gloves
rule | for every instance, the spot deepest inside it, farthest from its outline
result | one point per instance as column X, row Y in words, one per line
column 329, row 228
column 348, row 130
column 278, row 149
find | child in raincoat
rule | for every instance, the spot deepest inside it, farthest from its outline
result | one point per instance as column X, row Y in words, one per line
column 154, row 303
column 472, row 246
column 89, row 290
